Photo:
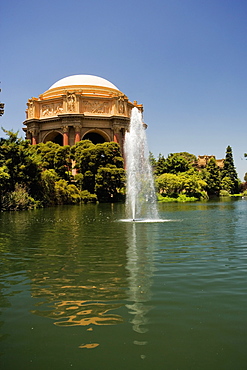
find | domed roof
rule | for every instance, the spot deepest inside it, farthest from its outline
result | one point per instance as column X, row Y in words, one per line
column 83, row 80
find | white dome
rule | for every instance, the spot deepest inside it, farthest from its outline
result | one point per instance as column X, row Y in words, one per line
column 82, row 80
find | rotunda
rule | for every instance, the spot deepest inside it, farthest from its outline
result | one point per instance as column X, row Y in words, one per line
column 77, row 108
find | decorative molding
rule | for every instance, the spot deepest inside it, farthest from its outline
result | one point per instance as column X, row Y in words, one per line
column 65, row 129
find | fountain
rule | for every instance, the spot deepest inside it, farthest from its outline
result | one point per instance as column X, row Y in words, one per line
column 140, row 195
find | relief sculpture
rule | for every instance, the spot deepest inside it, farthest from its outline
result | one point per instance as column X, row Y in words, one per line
column 96, row 107
column 47, row 110
column 30, row 109
column 71, row 99
column 58, row 108
column 121, row 105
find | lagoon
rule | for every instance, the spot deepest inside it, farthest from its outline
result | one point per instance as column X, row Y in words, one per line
column 80, row 289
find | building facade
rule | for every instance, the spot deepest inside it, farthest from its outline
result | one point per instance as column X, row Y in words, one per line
column 77, row 108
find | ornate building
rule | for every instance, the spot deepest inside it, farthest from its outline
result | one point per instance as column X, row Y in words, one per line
column 203, row 160
column 77, row 108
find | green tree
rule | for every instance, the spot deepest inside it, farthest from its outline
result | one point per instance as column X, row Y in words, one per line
column 168, row 184
column 108, row 183
column 160, row 165
column 152, row 160
column 230, row 171
column 99, row 164
column 20, row 163
column 54, row 156
column 188, row 183
column 176, row 163
column 212, row 177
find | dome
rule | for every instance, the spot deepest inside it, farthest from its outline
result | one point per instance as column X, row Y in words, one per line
column 83, row 80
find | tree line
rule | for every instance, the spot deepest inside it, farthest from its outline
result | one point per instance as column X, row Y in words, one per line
column 178, row 177
column 48, row 174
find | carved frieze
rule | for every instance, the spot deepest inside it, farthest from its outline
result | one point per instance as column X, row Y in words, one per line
column 49, row 110
column 100, row 107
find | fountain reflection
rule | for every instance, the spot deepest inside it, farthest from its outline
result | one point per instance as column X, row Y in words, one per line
column 141, row 268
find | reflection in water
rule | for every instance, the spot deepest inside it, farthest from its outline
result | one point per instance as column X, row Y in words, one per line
column 140, row 267
column 81, row 313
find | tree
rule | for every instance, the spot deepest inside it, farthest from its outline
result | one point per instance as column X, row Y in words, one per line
column 108, row 183
column 20, row 163
column 212, row 177
column 160, row 165
column 152, row 160
column 101, row 166
column 230, row 171
column 189, row 183
column 53, row 156
column 176, row 162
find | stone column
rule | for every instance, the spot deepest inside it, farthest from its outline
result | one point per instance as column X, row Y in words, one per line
column 65, row 135
column 34, row 133
column 77, row 133
column 116, row 133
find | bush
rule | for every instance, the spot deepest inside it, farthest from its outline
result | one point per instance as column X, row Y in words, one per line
column 88, row 197
column 18, row 200
column 224, row 193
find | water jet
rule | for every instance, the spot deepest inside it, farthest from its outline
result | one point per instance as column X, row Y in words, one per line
column 140, row 191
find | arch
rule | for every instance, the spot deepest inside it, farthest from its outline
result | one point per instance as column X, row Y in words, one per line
column 96, row 136
column 55, row 137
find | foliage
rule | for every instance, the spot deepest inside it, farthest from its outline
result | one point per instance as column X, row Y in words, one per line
column 230, row 172
column 224, row 193
column 245, row 177
column 66, row 193
column 19, row 165
column 152, row 160
column 18, row 200
column 160, row 165
column 175, row 163
column 181, row 198
column 88, row 197
column 212, row 177
column 188, row 183
column 101, row 166
column 53, row 156
column 108, row 182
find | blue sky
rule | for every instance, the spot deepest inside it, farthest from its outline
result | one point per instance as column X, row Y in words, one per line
column 184, row 60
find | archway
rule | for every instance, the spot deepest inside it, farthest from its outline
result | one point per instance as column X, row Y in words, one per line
column 55, row 137
column 94, row 137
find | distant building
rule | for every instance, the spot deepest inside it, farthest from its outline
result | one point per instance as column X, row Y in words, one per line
column 77, row 108
column 203, row 160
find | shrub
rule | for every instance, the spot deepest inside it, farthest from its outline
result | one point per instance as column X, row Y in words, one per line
column 18, row 200
column 224, row 193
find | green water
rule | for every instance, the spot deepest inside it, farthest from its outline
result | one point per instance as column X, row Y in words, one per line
column 82, row 290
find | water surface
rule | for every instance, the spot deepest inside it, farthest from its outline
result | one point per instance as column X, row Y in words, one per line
column 81, row 289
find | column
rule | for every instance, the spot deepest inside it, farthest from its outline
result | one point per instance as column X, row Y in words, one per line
column 77, row 133
column 34, row 133
column 65, row 135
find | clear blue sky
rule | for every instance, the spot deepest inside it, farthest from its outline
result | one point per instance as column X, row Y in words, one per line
column 184, row 60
